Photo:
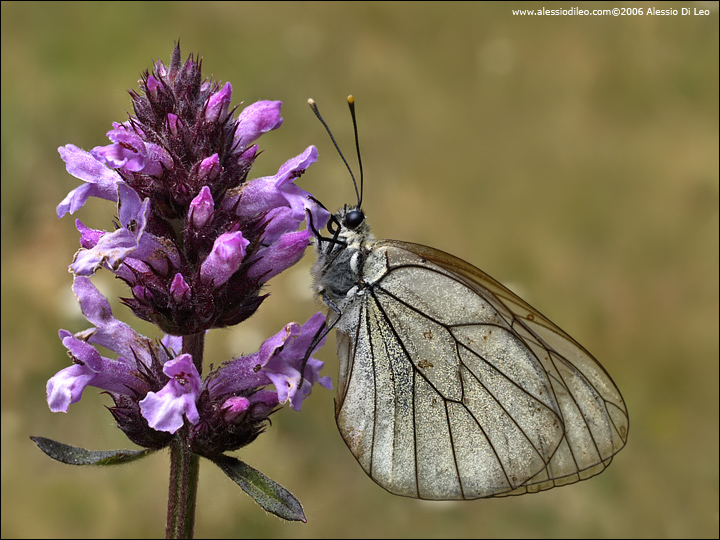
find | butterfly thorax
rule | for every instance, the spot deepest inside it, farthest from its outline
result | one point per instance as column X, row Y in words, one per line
column 342, row 256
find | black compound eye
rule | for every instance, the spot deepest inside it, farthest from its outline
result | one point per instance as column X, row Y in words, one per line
column 353, row 219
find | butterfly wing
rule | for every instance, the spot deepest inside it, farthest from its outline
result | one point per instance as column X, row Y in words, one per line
column 452, row 387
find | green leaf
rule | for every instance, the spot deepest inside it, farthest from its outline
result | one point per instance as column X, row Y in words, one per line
column 72, row 455
column 270, row 495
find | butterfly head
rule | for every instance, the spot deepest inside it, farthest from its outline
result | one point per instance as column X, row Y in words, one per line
column 353, row 219
column 349, row 227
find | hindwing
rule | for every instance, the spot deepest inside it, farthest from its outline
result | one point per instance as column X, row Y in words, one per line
column 452, row 387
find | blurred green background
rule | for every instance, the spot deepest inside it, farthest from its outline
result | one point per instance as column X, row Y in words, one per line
column 573, row 158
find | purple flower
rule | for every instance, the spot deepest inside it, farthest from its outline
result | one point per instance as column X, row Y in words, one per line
column 234, row 407
column 178, row 171
column 101, row 181
column 279, row 255
column 195, row 240
column 225, row 258
column 131, row 153
column 285, row 369
column 179, row 288
column 112, row 375
column 236, row 399
column 264, row 194
column 256, row 119
column 278, row 361
column 209, row 168
column 165, row 410
column 129, row 240
column 201, row 208
column 154, row 388
column 218, row 103
column 136, row 370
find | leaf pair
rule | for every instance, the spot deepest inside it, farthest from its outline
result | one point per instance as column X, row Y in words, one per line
column 270, row 495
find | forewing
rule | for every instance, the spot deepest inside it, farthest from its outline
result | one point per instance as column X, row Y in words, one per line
column 452, row 387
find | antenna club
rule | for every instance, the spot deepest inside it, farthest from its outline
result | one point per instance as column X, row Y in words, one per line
column 351, row 100
column 311, row 101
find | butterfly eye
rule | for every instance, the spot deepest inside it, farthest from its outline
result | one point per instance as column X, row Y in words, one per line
column 353, row 219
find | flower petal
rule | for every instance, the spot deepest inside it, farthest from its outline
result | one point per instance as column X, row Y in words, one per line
column 101, row 181
column 164, row 410
column 256, row 119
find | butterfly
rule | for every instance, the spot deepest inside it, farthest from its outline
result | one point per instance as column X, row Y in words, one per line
column 450, row 385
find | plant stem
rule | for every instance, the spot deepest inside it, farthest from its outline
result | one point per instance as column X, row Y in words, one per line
column 184, row 465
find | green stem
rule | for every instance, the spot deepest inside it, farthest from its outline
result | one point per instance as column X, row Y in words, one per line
column 184, row 465
column 184, row 468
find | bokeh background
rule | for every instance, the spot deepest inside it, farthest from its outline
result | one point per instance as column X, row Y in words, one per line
column 573, row 158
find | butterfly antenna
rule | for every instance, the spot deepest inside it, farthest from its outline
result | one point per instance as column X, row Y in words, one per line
column 314, row 108
column 351, row 104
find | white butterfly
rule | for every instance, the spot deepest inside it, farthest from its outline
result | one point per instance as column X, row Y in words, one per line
column 450, row 385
